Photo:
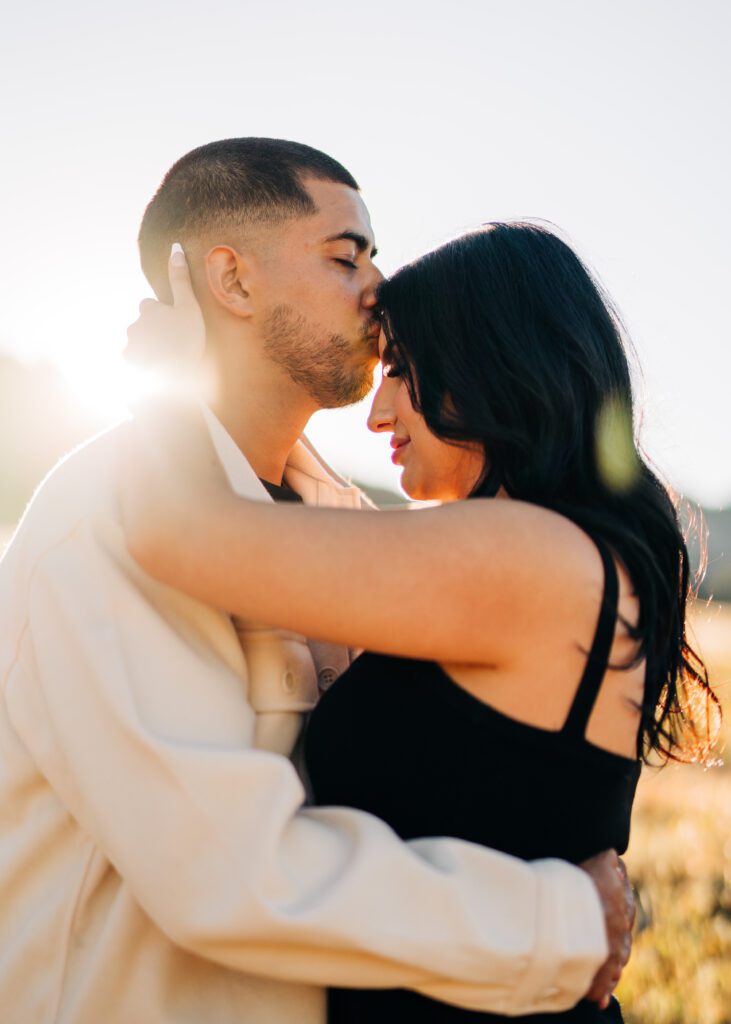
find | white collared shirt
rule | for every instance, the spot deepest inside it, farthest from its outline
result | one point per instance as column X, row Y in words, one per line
column 157, row 865
column 285, row 671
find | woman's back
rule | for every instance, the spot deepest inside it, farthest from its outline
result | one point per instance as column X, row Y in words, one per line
column 398, row 738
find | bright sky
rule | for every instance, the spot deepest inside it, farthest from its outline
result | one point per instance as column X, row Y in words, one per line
column 610, row 119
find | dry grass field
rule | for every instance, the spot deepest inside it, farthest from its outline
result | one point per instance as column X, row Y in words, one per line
column 680, row 861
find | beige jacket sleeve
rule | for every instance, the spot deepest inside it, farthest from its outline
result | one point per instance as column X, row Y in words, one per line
column 153, row 759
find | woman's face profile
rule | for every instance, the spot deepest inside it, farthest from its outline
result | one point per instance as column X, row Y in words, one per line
column 432, row 469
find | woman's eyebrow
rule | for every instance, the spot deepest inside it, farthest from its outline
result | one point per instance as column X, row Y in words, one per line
column 361, row 242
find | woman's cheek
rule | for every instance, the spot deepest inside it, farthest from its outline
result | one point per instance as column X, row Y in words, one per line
column 404, row 410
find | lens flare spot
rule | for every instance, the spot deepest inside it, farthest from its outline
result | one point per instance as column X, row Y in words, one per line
column 616, row 455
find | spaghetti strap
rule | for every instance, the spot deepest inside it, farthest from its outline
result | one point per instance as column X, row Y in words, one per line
column 598, row 660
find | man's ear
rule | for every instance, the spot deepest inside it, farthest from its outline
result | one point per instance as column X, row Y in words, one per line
column 229, row 275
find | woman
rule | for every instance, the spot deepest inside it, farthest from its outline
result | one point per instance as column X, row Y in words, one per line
column 531, row 648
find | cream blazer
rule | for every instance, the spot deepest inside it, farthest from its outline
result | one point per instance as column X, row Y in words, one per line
column 157, row 861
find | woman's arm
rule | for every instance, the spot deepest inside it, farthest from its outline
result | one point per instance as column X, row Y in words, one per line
column 459, row 583
column 209, row 836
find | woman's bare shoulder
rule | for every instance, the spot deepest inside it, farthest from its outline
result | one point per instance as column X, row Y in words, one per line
column 533, row 536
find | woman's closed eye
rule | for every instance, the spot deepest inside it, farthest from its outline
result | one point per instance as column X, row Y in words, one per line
column 391, row 364
column 351, row 264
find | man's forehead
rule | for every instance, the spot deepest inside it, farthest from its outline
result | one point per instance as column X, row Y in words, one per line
column 341, row 213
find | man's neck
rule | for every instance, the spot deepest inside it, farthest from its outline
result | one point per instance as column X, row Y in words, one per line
column 265, row 415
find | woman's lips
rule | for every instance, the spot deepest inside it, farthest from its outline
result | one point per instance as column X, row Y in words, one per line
column 398, row 445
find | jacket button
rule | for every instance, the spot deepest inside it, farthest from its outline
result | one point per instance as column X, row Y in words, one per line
column 288, row 682
column 326, row 677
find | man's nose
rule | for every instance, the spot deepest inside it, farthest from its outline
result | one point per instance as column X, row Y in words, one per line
column 370, row 292
column 382, row 416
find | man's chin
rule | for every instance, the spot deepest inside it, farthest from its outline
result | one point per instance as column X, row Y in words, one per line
column 348, row 390
column 364, row 383
column 347, row 396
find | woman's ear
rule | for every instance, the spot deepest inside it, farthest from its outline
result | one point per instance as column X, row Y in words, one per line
column 229, row 274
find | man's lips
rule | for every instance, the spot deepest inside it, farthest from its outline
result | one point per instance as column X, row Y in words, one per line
column 372, row 335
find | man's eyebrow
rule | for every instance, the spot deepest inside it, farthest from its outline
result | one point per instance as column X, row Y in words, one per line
column 361, row 241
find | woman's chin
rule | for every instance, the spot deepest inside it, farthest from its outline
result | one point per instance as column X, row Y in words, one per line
column 409, row 486
column 421, row 490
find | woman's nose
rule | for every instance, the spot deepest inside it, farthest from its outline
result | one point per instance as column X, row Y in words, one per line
column 382, row 416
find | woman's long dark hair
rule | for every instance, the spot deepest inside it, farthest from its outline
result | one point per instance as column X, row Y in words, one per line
column 505, row 339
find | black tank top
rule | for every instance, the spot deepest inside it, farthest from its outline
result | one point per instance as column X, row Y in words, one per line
column 398, row 738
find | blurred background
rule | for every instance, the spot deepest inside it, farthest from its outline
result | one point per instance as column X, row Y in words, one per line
column 608, row 119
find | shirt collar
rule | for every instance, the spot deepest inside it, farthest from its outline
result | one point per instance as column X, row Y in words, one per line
column 302, row 459
column 241, row 476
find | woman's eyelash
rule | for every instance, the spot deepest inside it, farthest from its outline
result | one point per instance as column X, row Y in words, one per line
column 347, row 263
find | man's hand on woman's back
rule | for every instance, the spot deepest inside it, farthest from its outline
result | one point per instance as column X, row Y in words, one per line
column 609, row 875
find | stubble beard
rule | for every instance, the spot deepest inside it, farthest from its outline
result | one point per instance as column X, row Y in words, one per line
column 325, row 365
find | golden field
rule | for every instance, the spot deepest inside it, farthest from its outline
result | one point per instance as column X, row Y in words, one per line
column 680, row 862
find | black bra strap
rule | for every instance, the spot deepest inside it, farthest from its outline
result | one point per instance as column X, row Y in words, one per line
column 598, row 660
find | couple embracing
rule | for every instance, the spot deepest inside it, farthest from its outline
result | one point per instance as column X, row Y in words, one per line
column 441, row 842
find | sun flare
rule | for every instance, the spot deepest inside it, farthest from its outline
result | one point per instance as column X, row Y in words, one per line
column 107, row 388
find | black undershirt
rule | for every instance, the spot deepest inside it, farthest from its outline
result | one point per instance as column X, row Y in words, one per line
column 281, row 492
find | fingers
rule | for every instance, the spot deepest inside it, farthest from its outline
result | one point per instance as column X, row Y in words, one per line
column 604, row 983
column 609, row 874
column 630, row 905
column 170, row 337
column 147, row 344
column 630, row 900
column 179, row 276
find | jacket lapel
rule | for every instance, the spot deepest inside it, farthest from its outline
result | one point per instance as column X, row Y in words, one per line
column 286, row 671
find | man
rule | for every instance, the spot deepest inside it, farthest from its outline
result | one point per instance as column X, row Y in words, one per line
column 156, row 864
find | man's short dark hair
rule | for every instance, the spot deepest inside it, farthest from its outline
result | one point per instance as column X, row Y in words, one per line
column 231, row 182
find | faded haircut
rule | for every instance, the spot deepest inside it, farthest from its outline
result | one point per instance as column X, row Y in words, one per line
column 233, row 182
